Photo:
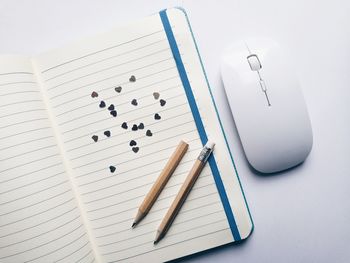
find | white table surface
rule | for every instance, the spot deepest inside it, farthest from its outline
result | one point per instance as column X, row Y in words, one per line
column 302, row 215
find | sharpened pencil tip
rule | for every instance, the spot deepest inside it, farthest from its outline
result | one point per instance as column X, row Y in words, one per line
column 159, row 236
column 133, row 225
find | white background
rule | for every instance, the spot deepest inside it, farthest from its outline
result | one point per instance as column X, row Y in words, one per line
column 302, row 215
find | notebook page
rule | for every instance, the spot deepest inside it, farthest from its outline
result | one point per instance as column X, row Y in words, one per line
column 133, row 69
column 39, row 219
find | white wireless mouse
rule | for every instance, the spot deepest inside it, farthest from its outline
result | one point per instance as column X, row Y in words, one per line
column 267, row 105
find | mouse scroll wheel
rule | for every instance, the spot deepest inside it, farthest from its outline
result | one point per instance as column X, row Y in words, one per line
column 254, row 62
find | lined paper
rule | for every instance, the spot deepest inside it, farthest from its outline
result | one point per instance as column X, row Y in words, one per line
column 111, row 199
column 39, row 219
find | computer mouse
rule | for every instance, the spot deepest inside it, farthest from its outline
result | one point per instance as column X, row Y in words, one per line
column 267, row 105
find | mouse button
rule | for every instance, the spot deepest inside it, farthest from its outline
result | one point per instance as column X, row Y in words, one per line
column 254, row 62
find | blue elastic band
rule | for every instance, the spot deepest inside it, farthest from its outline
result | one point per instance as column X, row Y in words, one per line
column 199, row 123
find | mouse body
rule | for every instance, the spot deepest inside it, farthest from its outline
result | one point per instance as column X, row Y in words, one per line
column 267, row 105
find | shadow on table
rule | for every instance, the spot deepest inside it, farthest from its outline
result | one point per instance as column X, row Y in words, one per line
column 201, row 255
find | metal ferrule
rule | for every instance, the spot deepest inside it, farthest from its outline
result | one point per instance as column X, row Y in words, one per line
column 205, row 153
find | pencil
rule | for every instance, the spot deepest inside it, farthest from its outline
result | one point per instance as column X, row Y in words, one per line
column 184, row 191
column 161, row 181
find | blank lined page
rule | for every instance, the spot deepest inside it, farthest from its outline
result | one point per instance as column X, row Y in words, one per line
column 121, row 110
column 39, row 218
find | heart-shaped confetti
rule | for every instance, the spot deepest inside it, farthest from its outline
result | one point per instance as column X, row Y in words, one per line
column 134, row 127
column 107, row 133
column 102, row 104
column 149, row 133
column 124, row 125
column 113, row 113
column 135, row 149
column 134, row 102
column 162, row 102
column 157, row 116
column 118, row 89
column 95, row 138
column 132, row 78
column 155, row 95
column 132, row 143
column 94, row 94
column 141, row 126
column 111, row 107
column 112, row 169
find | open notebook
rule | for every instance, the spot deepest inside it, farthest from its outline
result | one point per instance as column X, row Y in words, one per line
column 70, row 182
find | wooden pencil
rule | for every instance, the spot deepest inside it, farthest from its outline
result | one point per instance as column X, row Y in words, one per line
column 161, row 181
column 184, row 191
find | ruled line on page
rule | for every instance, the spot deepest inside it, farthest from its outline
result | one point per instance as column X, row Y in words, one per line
column 175, row 234
column 32, row 151
column 138, row 158
column 145, row 155
column 39, row 202
column 187, row 113
column 22, row 175
column 133, row 208
column 25, row 142
column 136, row 138
column 108, row 177
column 55, row 106
column 133, row 120
column 125, row 102
column 19, row 102
column 41, row 234
column 17, row 82
column 109, row 118
column 41, row 223
column 78, row 249
column 172, row 244
column 15, row 73
column 22, row 122
column 40, row 213
column 101, row 50
column 176, row 174
column 66, row 234
column 116, row 76
column 58, row 249
column 124, row 112
column 136, row 197
column 125, row 191
column 105, row 59
column 117, row 95
column 84, row 256
column 150, row 240
column 153, row 211
column 126, row 181
column 152, row 231
column 23, row 164
column 132, row 169
column 23, row 132
column 119, row 123
column 110, row 67
column 32, row 183
column 21, row 112
column 123, row 182
column 183, row 211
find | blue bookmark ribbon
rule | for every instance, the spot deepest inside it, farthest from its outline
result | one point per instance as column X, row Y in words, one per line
column 199, row 123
